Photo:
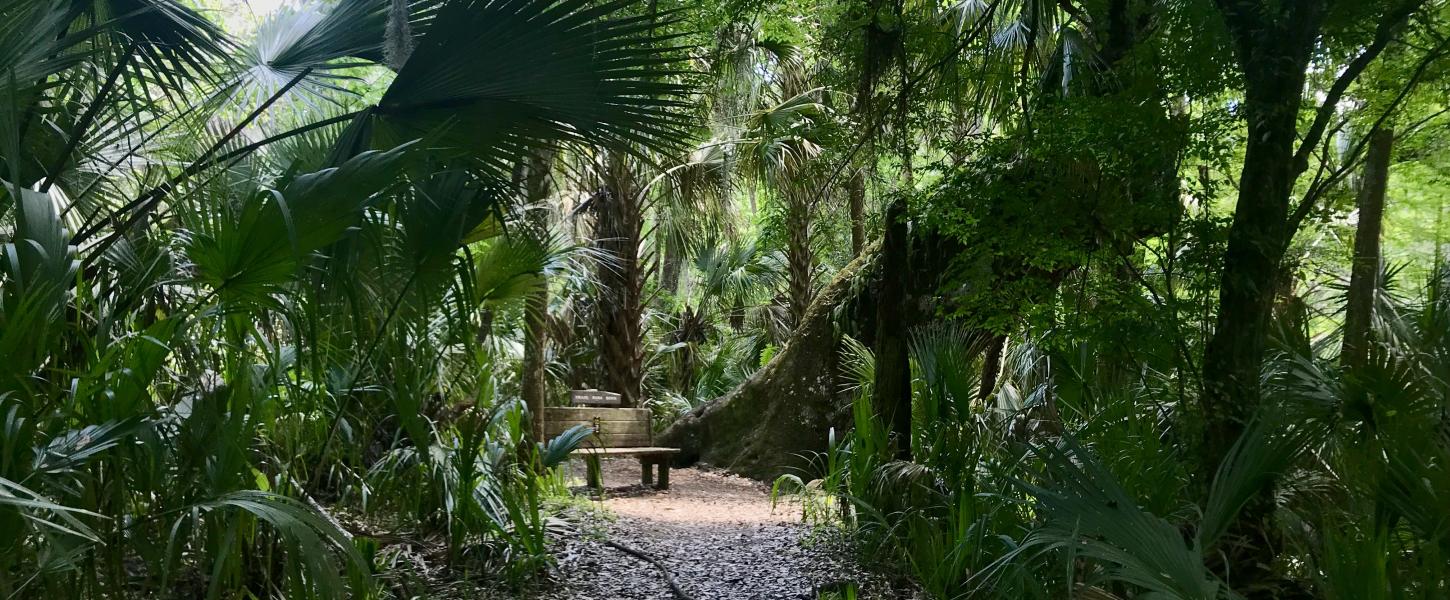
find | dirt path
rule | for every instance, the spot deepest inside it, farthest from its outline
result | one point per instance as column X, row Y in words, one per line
column 717, row 534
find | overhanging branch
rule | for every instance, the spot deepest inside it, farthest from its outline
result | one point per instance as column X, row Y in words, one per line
column 1312, row 196
column 1383, row 35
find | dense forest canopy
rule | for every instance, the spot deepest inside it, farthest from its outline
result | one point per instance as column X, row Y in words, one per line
column 1020, row 298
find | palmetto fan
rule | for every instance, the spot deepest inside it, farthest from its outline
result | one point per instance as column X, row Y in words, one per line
column 488, row 79
column 168, row 38
column 497, row 76
column 320, row 42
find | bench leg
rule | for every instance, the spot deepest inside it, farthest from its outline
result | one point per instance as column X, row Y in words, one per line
column 664, row 483
column 596, row 477
column 646, row 471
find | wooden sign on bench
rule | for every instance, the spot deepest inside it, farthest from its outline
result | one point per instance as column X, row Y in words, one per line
column 593, row 398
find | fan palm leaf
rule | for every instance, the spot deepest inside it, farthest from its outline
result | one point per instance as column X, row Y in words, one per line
column 317, row 39
column 33, row 45
column 171, row 40
column 515, row 264
column 500, row 75
column 251, row 257
column 1092, row 517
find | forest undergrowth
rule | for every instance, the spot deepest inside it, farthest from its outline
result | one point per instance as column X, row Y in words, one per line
column 1017, row 298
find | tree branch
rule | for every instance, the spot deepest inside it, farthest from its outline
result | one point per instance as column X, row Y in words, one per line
column 1311, row 196
column 1383, row 35
column 1073, row 11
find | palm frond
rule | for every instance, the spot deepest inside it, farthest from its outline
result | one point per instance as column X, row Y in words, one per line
column 247, row 257
column 171, row 39
column 1090, row 516
column 34, row 44
column 513, row 265
column 43, row 512
column 593, row 74
column 316, row 38
column 318, row 545
column 558, row 449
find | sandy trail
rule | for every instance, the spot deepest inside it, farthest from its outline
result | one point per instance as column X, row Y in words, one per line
column 717, row 534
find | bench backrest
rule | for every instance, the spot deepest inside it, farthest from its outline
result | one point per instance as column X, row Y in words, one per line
column 613, row 427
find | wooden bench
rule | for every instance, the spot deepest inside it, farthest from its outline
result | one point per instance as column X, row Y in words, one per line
column 617, row 432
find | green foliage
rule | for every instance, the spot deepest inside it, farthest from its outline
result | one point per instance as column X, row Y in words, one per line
column 228, row 313
column 1019, row 203
column 250, row 284
column 1017, row 496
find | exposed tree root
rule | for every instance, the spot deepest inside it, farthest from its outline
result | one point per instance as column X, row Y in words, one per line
column 669, row 578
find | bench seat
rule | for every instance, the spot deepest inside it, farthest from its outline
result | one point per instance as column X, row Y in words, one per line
column 627, row 451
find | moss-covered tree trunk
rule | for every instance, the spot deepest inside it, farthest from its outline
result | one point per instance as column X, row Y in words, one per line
column 781, row 417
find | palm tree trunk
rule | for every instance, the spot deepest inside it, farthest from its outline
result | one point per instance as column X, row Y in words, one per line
column 398, row 39
column 671, row 263
column 798, row 256
column 618, row 229
column 533, row 385
column 991, row 367
column 858, row 212
column 1365, row 269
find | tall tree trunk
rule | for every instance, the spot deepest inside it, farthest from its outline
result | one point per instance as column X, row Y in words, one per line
column 1273, row 46
column 1273, row 50
column 878, row 49
column 903, row 113
column 858, row 211
column 798, row 255
column 1364, row 271
column 533, row 386
column 892, row 389
column 618, row 228
column 398, row 38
